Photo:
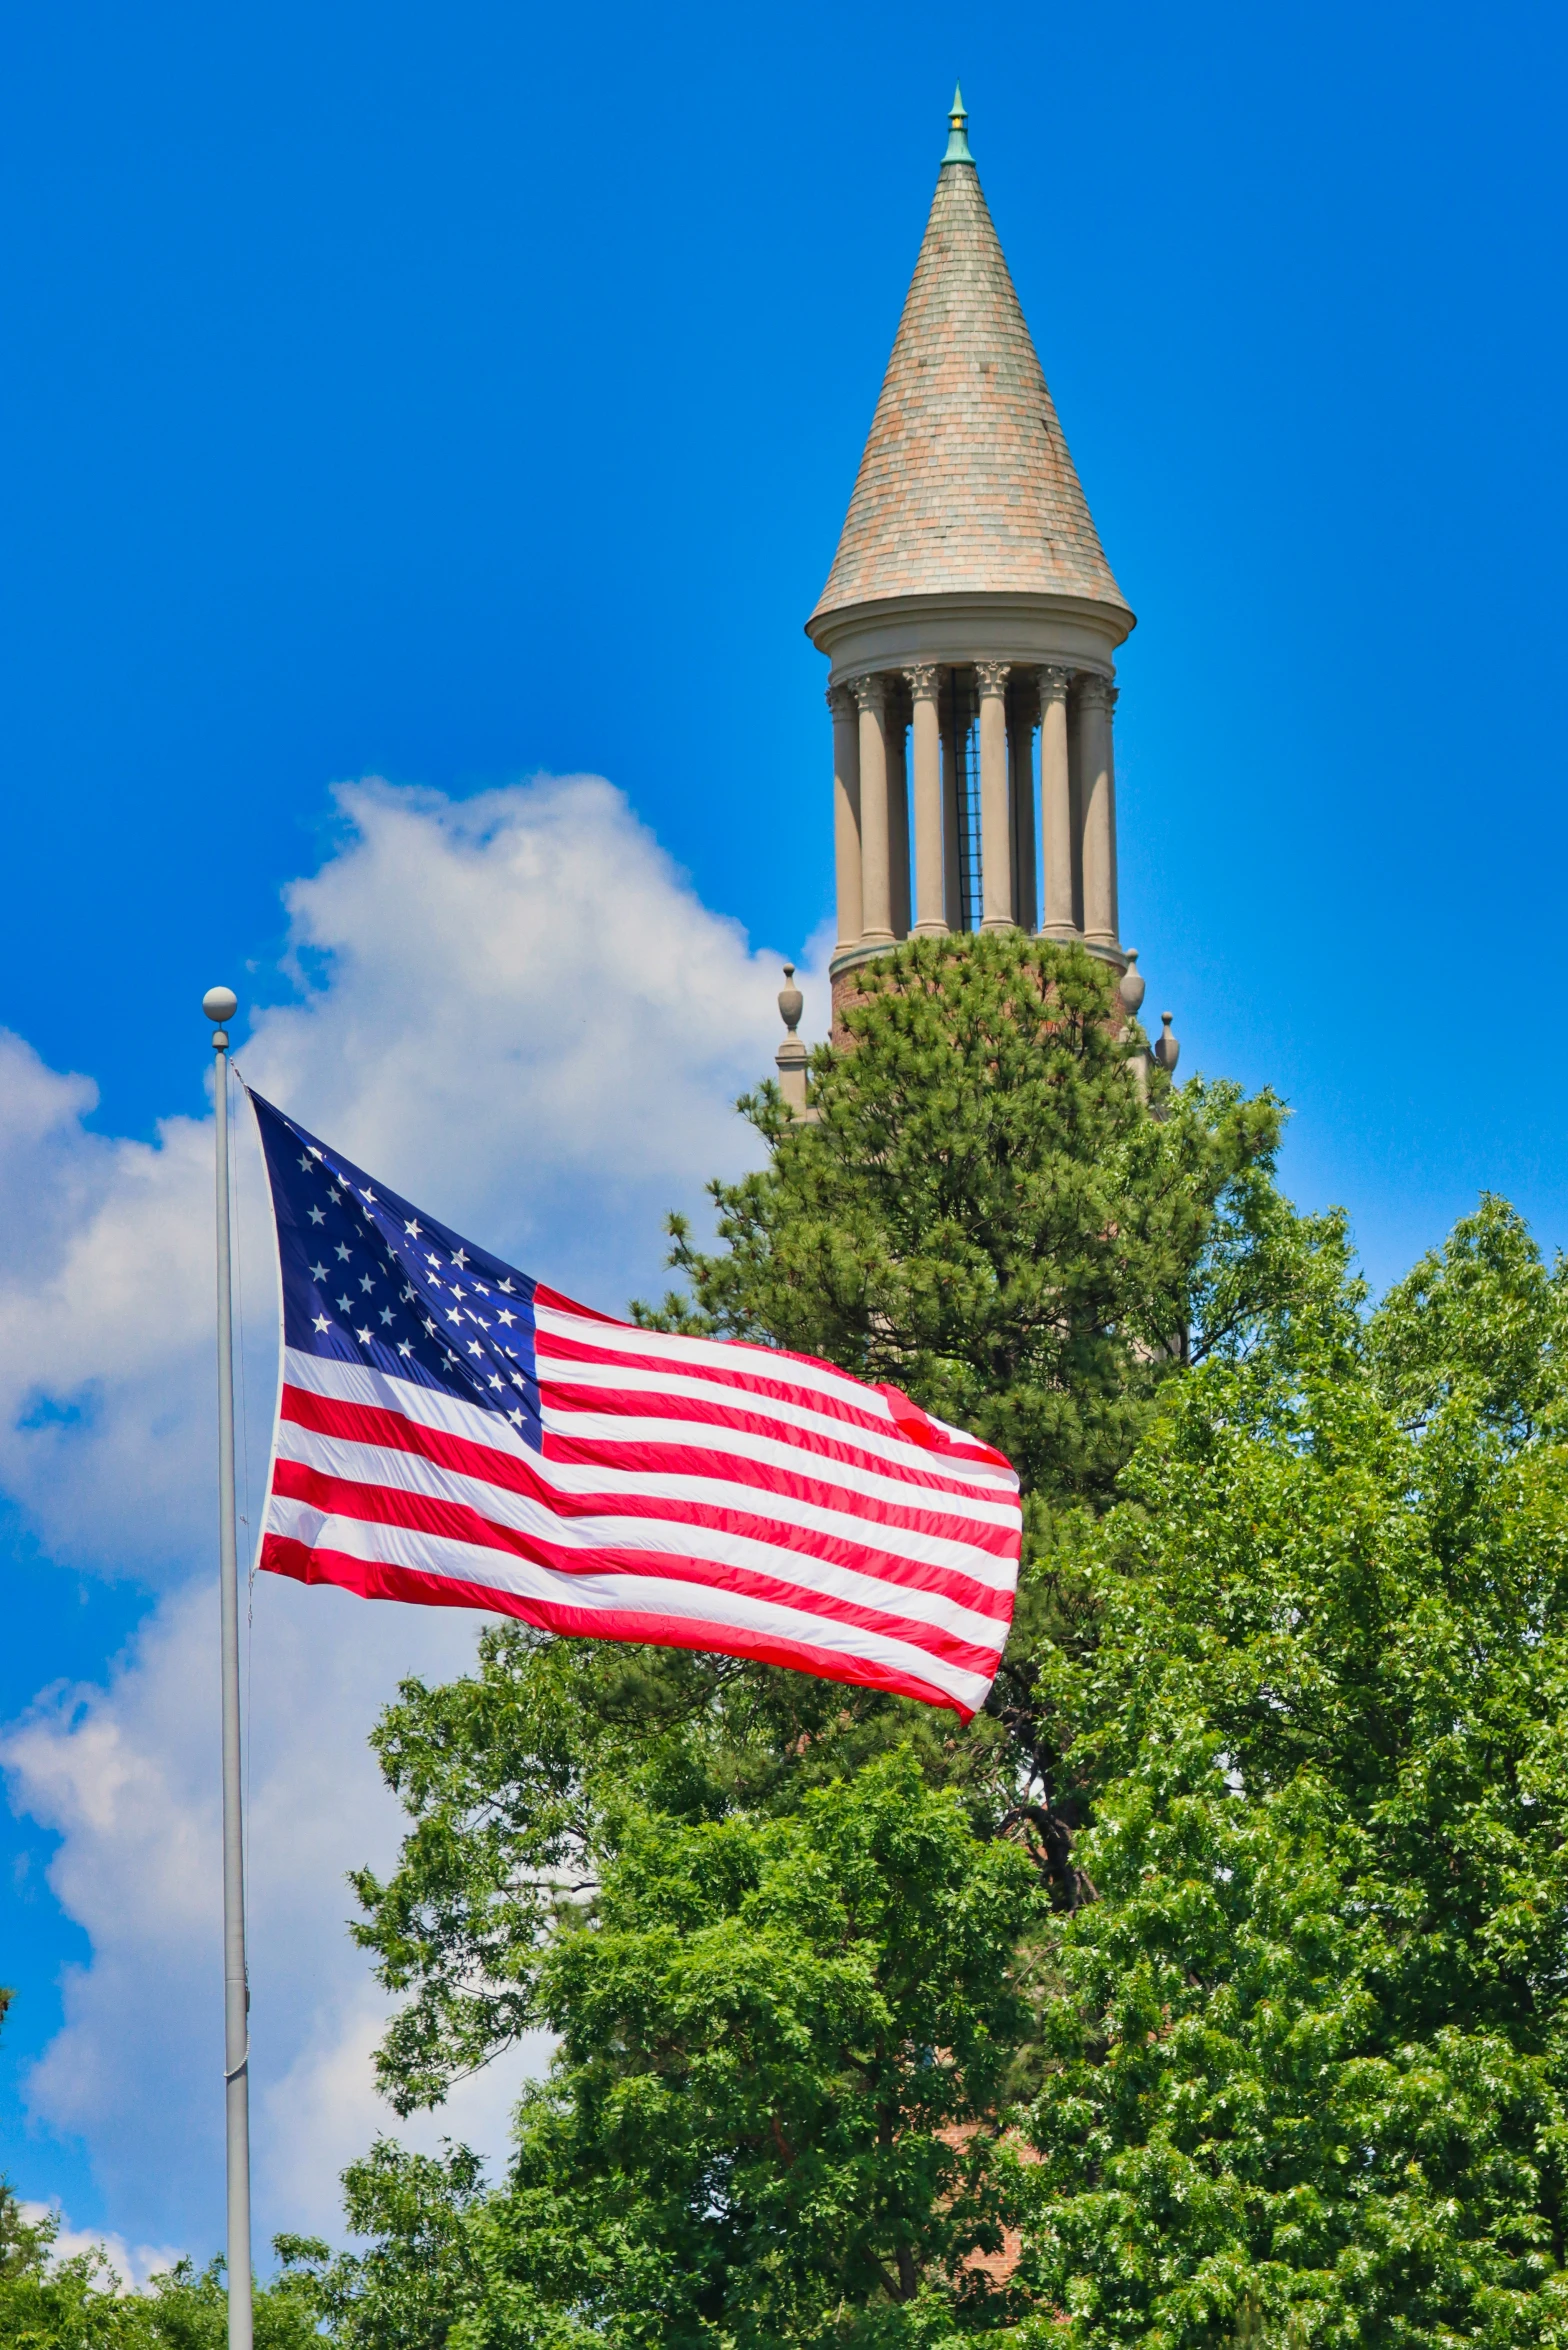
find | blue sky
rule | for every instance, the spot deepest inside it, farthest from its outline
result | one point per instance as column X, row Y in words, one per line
column 453, row 396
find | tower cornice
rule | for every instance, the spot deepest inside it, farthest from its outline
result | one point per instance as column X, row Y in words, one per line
column 889, row 632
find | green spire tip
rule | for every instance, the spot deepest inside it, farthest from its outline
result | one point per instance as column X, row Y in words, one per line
column 957, row 142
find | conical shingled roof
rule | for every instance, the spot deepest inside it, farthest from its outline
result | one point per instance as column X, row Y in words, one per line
column 966, row 483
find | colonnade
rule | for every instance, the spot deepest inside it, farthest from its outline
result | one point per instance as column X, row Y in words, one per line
column 937, row 822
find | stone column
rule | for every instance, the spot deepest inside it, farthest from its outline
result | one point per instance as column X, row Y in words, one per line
column 846, row 814
column 1096, row 700
column 1056, row 805
column 876, row 871
column 894, row 734
column 924, row 684
column 1020, row 761
column 996, row 847
column 1110, row 780
column 952, row 865
column 1075, row 797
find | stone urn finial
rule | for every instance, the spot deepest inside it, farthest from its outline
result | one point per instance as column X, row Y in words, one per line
column 791, row 1057
column 1131, row 985
column 1166, row 1050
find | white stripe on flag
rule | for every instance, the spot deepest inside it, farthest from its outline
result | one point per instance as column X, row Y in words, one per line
column 380, row 1467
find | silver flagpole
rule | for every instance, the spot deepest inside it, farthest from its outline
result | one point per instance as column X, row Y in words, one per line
column 220, row 1005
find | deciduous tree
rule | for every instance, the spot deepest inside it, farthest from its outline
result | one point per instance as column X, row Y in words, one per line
column 1307, row 2062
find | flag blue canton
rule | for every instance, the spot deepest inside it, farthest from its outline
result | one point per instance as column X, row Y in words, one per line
column 369, row 1279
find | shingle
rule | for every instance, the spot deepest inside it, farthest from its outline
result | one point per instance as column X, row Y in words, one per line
column 966, row 481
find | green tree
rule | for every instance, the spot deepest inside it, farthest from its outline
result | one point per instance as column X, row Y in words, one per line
column 1300, row 2071
column 420, row 2273
column 983, row 1212
column 50, row 2302
column 774, row 2114
column 1307, row 2057
column 45, row 2301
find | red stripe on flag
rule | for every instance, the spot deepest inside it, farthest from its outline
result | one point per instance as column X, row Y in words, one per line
column 424, row 1513
column 563, row 1395
column 736, row 1364
column 644, row 1457
column 556, row 1356
column 513, row 1473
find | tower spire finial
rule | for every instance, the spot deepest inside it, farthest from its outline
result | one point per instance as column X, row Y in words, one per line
column 957, row 141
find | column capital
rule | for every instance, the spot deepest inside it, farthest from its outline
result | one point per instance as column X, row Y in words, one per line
column 1054, row 683
column 838, row 700
column 1095, row 688
column 993, row 676
column 924, row 681
column 870, row 692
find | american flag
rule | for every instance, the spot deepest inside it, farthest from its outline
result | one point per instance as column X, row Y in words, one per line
column 454, row 1433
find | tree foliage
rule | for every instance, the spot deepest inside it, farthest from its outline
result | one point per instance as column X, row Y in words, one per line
column 1308, row 2062
column 1211, row 1986
column 419, row 2273
column 983, row 1211
column 78, row 2302
column 784, row 2046
column 1297, row 2071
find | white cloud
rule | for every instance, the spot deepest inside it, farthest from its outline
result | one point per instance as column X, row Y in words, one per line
column 104, row 1305
column 515, row 1011
column 324, row 2111
column 132, row 2264
column 127, row 1775
column 543, row 1002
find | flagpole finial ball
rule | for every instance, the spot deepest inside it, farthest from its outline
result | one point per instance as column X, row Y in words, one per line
column 220, row 1003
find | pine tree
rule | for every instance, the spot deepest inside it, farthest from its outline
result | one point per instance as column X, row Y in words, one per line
column 984, row 1211
column 987, row 1211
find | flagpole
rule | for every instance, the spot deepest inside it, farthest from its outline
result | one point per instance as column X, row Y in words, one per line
column 220, row 1005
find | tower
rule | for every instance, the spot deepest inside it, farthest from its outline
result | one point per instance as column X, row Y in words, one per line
column 970, row 609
